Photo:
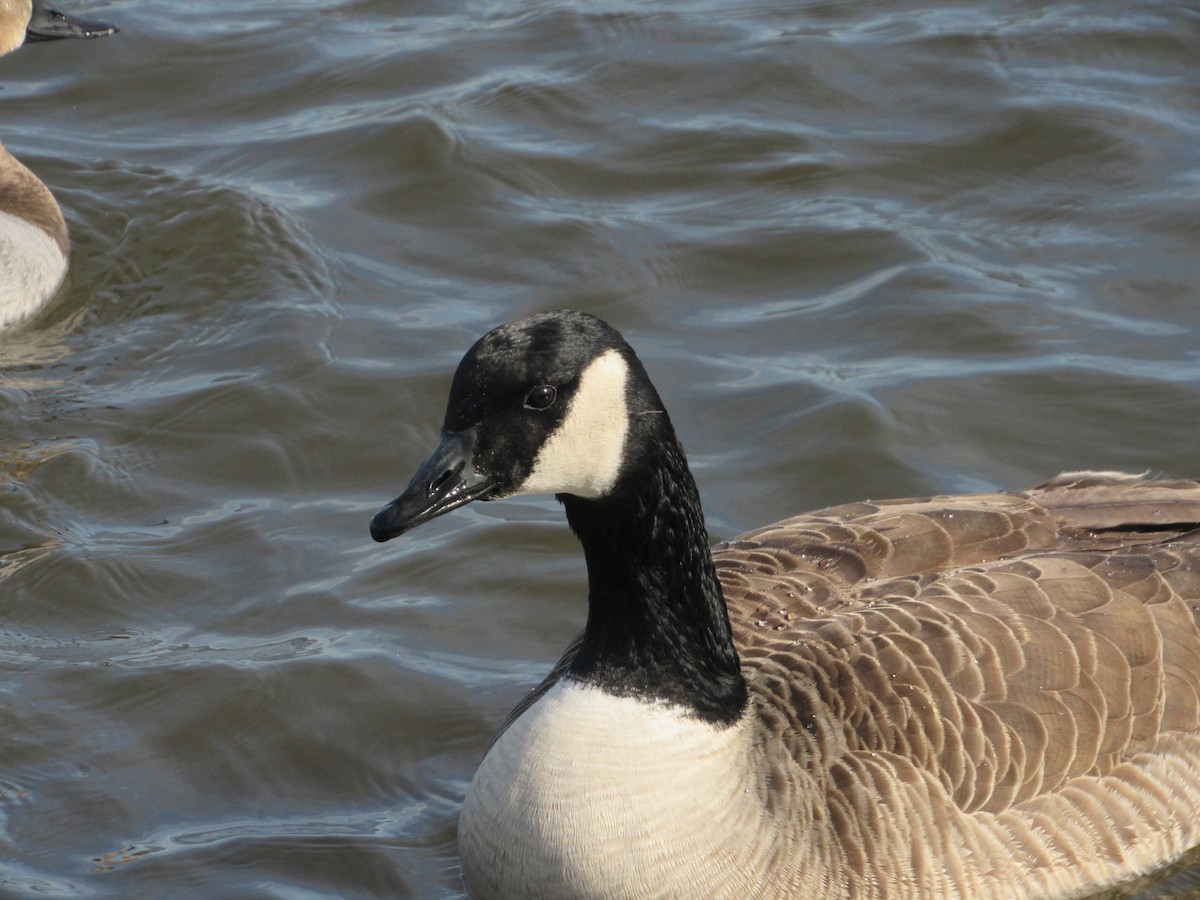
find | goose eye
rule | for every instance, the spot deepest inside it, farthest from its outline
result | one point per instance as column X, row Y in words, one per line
column 541, row 397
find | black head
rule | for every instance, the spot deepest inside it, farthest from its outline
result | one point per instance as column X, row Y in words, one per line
column 541, row 405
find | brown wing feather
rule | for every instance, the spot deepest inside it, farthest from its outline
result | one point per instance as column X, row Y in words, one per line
column 1014, row 652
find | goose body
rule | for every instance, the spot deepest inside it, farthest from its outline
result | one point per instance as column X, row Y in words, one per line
column 982, row 696
column 34, row 247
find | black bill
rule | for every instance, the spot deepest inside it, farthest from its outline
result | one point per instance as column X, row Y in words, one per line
column 446, row 481
column 48, row 24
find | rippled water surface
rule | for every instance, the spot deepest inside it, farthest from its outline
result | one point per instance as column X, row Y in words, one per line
column 865, row 249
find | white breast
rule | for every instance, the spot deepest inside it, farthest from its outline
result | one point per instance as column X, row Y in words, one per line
column 591, row 795
column 32, row 266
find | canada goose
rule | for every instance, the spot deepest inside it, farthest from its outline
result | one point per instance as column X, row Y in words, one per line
column 994, row 695
column 34, row 247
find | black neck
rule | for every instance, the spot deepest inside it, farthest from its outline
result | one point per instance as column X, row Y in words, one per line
column 657, row 625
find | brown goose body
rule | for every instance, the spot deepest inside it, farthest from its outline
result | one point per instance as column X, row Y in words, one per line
column 992, row 695
column 987, row 696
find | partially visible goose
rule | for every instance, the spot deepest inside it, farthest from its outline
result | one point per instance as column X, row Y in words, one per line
column 33, row 236
column 989, row 696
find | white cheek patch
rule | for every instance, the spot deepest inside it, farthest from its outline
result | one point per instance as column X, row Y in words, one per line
column 583, row 456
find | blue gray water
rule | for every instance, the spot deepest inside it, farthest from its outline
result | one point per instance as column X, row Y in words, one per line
column 865, row 249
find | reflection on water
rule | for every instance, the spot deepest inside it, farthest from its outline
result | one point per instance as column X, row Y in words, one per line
column 864, row 250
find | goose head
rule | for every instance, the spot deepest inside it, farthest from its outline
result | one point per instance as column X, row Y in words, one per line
column 556, row 403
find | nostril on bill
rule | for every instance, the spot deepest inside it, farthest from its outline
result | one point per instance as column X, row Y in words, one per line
column 436, row 485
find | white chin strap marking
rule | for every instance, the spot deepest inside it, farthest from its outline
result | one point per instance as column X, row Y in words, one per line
column 583, row 457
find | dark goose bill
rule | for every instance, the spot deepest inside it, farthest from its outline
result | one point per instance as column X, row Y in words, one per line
column 445, row 481
column 48, row 24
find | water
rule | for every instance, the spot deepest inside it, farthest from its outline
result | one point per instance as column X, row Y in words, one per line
column 865, row 250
